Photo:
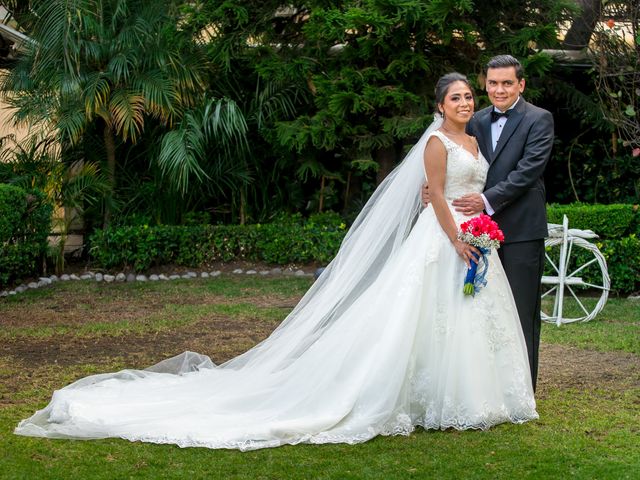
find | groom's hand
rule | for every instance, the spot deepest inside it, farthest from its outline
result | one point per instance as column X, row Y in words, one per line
column 469, row 204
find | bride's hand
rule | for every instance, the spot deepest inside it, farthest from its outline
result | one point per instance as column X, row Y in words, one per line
column 466, row 252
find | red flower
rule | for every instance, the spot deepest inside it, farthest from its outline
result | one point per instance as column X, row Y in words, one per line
column 483, row 225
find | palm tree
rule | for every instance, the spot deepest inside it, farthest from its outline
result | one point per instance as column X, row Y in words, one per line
column 113, row 65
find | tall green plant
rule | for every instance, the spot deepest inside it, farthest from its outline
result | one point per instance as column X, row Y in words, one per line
column 185, row 150
column 25, row 217
column 71, row 186
column 112, row 64
column 253, row 49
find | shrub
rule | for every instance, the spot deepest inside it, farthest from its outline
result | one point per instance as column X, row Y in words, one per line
column 622, row 256
column 289, row 239
column 292, row 239
column 25, row 221
column 617, row 226
column 623, row 260
column 608, row 221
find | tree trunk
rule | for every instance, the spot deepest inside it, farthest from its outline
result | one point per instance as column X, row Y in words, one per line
column 386, row 158
column 110, row 147
column 321, row 199
column 243, row 203
column 346, row 192
column 582, row 27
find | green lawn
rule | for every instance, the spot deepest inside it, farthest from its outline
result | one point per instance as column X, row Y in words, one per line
column 616, row 328
column 52, row 336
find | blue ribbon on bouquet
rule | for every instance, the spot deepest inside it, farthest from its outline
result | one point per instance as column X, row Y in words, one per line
column 475, row 278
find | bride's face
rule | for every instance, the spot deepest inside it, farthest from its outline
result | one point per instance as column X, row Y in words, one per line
column 458, row 103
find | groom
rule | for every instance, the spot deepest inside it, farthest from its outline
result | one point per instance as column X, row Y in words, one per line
column 516, row 139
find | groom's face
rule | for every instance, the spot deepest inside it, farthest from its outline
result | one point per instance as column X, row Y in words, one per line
column 503, row 87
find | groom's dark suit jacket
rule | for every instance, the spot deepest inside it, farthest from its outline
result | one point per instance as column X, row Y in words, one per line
column 515, row 190
column 515, row 187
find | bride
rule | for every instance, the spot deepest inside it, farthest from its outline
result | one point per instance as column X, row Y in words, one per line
column 384, row 341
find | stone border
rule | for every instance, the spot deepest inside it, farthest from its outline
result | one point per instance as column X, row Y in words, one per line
column 131, row 277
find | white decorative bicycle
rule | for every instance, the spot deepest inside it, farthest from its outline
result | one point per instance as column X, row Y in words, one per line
column 561, row 302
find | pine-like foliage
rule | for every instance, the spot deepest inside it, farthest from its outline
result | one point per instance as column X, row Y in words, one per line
column 377, row 62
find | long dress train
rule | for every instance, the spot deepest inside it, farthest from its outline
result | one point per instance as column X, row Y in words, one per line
column 410, row 350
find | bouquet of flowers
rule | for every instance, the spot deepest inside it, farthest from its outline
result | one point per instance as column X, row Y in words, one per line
column 483, row 233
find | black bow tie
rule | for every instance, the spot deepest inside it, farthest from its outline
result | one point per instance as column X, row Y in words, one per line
column 496, row 115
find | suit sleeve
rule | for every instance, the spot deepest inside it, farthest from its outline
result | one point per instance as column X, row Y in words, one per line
column 529, row 168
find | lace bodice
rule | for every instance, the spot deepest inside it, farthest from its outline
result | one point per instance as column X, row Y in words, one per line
column 465, row 172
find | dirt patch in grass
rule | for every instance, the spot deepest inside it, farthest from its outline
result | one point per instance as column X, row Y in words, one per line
column 106, row 307
column 95, row 305
column 31, row 358
column 563, row 366
column 218, row 336
column 222, row 338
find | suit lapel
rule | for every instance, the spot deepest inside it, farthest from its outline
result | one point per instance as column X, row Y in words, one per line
column 484, row 122
column 512, row 123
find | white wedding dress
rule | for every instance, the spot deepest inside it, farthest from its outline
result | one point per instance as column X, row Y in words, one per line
column 408, row 349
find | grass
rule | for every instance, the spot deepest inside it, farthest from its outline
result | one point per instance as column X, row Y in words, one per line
column 169, row 318
column 599, row 445
column 616, row 328
column 583, row 432
column 227, row 285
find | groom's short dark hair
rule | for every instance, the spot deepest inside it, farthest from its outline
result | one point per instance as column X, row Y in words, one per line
column 505, row 61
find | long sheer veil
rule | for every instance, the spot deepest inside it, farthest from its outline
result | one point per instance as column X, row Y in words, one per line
column 372, row 241
column 375, row 236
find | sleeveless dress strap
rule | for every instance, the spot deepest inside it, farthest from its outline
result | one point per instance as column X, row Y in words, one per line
column 446, row 141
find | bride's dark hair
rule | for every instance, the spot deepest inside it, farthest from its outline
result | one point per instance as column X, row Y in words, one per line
column 443, row 84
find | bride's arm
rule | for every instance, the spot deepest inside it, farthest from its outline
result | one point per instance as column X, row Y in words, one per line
column 435, row 163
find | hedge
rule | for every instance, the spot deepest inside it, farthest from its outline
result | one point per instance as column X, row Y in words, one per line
column 623, row 262
column 618, row 228
column 291, row 239
column 288, row 240
column 608, row 221
column 25, row 222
